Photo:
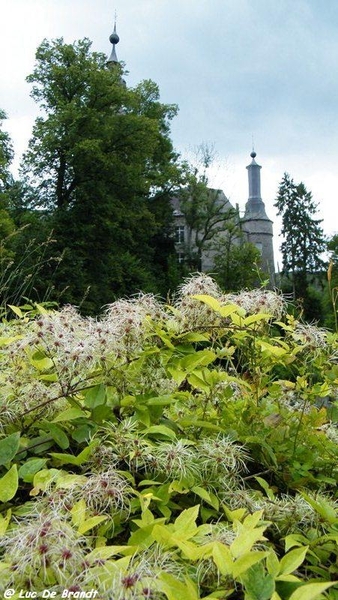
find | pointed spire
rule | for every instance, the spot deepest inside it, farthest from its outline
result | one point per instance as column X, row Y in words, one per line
column 114, row 39
column 256, row 224
column 255, row 207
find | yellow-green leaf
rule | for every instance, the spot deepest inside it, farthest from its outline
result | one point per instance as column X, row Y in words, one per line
column 292, row 560
column 209, row 498
column 161, row 430
column 234, row 515
column 16, row 310
column 201, row 358
column 95, row 396
column 145, row 536
column 251, row 319
column 209, row 301
column 4, row 341
column 276, row 351
column 264, row 484
column 311, row 591
column 42, row 364
column 42, row 479
column 41, row 309
column 188, row 549
column 78, row 513
column 9, row 484
column 197, row 382
column 4, row 522
column 237, row 319
column 192, row 422
column 71, row 459
column 175, row 589
column 323, row 508
column 230, row 309
column 222, row 558
column 245, row 561
column 91, row 523
column 253, row 519
column 272, row 563
column 106, row 552
column 294, row 539
column 69, row 415
column 185, row 524
column 245, row 540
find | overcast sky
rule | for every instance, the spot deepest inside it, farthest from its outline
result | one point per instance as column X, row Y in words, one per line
column 239, row 70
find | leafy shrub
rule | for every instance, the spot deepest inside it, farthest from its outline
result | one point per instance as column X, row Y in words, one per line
column 170, row 452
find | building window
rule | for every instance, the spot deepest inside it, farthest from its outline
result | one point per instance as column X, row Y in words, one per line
column 179, row 234
column 180, row 257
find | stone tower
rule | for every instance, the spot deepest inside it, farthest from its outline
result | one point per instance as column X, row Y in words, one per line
column 256, row 224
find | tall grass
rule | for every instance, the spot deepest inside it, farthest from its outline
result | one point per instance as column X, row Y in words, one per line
column 20, row 274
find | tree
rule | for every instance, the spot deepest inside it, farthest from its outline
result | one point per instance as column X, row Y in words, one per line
column 24, row 240
column 304, row 240
column 207, row 212
column 7, row 226
column 237, row 263
column 6, row 155
column 97, row 159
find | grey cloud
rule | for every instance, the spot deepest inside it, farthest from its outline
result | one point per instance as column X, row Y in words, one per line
column 234, row 67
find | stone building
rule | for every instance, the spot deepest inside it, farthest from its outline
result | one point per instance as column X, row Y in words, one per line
column 219, row 212
column 255, row 224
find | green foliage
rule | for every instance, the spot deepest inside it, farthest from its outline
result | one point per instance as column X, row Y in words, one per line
column 304, row 240
column 183, row 451
column 6, row 222
column 98, row 159
column 237, row 263
column 6, row 155
column 25, row 250
column 332, row 281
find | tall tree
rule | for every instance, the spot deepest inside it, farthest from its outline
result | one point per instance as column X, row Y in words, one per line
column 98, row 157
column 22, row 256
column 6, row 155
column 304, row 240
column 6, row 222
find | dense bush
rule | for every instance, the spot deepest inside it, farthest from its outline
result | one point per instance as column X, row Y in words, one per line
column 170, row 452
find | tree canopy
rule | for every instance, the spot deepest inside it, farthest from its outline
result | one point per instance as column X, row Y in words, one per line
column 6, row 154
column 6, row 222
column 304, row 240
column 98, row 156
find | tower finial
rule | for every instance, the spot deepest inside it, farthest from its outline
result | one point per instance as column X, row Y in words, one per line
column 114, row 39
column 253, row 153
